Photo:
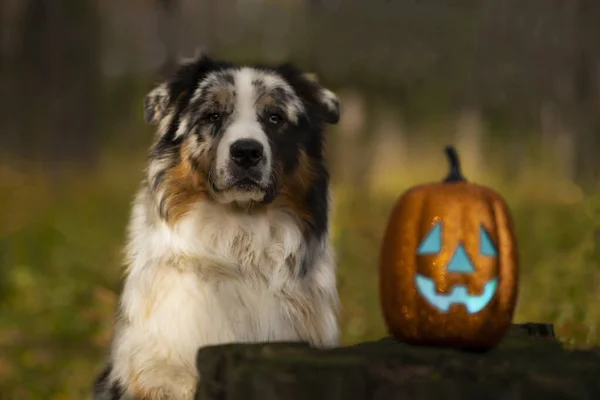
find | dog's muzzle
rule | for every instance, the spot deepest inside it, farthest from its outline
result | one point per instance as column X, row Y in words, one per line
column 247, row 164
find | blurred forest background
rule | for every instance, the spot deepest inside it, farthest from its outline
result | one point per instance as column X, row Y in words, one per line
column 513, row 84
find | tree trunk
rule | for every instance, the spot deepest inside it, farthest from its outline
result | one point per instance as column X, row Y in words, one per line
column 58, row 96
column 310, row 27
column 585, row 107
column 168, row 13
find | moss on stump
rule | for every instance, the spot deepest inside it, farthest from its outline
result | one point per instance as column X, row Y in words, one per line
column 529, row 362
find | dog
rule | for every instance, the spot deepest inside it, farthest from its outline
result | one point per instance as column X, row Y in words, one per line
column 228, row 234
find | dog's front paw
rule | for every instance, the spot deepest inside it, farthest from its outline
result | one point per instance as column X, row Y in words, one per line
column 166, row 384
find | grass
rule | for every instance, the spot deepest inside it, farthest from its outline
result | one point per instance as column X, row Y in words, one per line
column 60, row 263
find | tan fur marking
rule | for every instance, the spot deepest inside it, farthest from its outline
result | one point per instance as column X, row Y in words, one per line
column 220, row 97
column 312, row 77
column 293, row 191
column 156, row 393
column 184, row 187
column 139, row 393
column 223, row 97
column 265, row 101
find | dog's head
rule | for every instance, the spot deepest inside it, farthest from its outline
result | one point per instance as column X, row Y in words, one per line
column 237, row 135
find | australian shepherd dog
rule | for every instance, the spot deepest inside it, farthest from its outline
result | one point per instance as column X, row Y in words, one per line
column 228, row 236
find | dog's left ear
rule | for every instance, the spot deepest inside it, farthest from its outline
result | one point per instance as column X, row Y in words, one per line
column 328, row 101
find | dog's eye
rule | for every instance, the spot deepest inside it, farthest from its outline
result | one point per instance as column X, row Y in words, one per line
column 213, row 117
column 275, row 119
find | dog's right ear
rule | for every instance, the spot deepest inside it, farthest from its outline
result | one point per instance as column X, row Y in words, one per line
column 156, row 104
column 163, row 97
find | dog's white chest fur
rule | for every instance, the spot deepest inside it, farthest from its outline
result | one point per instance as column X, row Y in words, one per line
column 218, row 276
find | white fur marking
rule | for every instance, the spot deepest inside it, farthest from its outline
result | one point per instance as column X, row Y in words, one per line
column 218, row 276
column 184, row 126
column 329, row 98
column 244, row 126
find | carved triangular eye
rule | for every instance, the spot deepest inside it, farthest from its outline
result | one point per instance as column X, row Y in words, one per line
column 486, row 246
column 432, row 244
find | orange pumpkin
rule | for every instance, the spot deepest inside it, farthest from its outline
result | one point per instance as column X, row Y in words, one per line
column 449, row 265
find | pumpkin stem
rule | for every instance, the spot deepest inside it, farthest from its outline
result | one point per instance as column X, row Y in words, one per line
column 455, row 174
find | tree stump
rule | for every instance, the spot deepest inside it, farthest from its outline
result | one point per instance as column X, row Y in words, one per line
column 529, row 362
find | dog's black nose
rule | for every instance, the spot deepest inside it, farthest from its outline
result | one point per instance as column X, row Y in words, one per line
column 246, row 152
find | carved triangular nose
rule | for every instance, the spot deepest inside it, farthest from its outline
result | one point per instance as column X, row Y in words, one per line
column 460, row 262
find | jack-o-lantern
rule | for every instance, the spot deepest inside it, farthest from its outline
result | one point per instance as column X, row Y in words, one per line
column 449, row 265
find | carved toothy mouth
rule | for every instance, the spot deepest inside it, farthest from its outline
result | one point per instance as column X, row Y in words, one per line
column 459, row 295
